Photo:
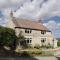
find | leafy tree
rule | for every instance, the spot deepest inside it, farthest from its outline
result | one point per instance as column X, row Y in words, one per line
column 21, row 38
column 7, row 37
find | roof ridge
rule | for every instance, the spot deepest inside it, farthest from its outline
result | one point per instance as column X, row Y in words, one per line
column 28, row 20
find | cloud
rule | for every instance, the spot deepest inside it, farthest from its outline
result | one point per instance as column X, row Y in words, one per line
column 3, row 23
column 30, row 9
column 59, row 25
column 54, row 27
column 5, row 8
column 39, row 9
column 51, row 24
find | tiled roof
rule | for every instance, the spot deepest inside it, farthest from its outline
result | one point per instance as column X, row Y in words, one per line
column 24, row 23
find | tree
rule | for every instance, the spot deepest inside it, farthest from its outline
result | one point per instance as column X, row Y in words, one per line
column 7, row 37
column 21, row 40
column 58, row 43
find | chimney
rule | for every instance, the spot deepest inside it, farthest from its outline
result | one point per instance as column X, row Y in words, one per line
column 11, row 14
column 40, row 21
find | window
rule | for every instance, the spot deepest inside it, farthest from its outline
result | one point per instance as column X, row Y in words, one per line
column 43, row 40
column 28, row 40
column 43, row 32
column 28, row 31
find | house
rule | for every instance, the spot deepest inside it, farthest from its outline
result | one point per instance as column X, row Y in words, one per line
column 34, row 32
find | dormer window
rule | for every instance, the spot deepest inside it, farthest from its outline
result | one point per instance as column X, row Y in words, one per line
column 28, row 31
column 43, row 32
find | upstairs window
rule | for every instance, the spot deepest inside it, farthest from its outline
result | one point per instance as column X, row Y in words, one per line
column 28, row 31
column 43, row 32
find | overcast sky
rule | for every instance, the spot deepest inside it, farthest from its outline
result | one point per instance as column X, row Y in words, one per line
column 46, row 10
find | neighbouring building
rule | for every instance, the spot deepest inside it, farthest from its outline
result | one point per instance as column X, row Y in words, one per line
column 34, row 32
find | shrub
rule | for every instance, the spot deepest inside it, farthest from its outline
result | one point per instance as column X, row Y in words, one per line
column 37, row 46
column 26, row 46
column 31, row 53
column 7, row 37
column 36, row 52
column 58, row 43
column 25, row 54
column 49, row 46
column 29, row 46
column 43, row 46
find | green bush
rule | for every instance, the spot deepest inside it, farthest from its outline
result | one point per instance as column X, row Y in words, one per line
column 31, row 53
column 25, row 54
column 43, row 46
column 49, row 46
column 7, row 37
column 37, row 46
column 36, row 52
column 29, row 46
column 58, row 43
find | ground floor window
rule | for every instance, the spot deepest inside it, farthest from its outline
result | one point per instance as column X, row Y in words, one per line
column 28, row 40
column 43, row 40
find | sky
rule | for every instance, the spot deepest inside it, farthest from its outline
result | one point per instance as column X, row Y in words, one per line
column 46, row 10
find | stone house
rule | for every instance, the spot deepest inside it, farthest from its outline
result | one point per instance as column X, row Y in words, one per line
column 34, row 32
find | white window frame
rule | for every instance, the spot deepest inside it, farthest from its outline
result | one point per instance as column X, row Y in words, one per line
column 30, row 39
column 28, row 31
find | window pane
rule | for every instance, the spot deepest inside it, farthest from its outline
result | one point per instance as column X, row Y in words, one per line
column 43, row 40
column 27, row 31
column 27, row 41
column 30, row 41
column 30, row 31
